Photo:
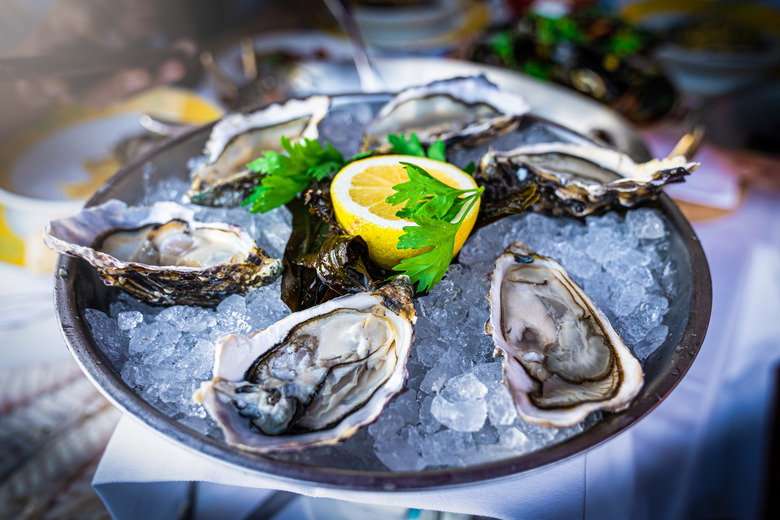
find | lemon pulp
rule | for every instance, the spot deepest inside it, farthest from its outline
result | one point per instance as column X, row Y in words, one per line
column 359, row 191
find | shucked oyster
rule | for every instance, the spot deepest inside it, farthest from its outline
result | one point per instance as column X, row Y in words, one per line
column 316, row 376
column 562, row 358
column 159, row 254
column 223, row 178
column 580, row 179
column 451, row 110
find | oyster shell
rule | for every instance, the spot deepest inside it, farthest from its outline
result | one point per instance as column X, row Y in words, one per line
column 316, row 376
column 223, row 179
column 453, row 110
column 159, row 254
column 562, row 358
column 579, row 179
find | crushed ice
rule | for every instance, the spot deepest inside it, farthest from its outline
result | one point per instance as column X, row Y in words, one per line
column 456, row 411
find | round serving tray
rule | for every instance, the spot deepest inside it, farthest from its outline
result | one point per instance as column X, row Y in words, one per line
column 78, row 288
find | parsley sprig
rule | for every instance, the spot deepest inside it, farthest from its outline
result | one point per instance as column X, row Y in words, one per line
column 433, row 206
column 287, row 175
column 400, row 145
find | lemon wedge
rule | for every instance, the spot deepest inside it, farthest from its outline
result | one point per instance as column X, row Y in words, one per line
column 359, row 191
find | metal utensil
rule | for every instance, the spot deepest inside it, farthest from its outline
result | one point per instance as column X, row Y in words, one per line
column 370, row 80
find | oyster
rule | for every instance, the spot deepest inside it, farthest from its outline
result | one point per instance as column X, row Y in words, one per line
column 562, row 358
column 223, row 179
column 316, row 376
column 159, row 254
column 579, row 180
column 453, row 110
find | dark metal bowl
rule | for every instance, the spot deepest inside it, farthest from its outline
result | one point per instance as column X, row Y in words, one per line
column 78, row 288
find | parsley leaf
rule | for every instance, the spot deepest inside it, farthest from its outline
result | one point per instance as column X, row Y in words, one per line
column 432, row 205
column 287, row 175
column 400, row 145
column 423, row 194
column 426, row 269
column 436, row 151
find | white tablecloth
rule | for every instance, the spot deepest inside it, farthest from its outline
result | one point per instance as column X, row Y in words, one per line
column 698, row 454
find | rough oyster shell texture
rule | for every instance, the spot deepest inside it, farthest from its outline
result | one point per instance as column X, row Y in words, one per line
column 223, row 179
column 453, row 110
column 241, row 267
column 315, row 377
column 562, row 358
column 580, row 180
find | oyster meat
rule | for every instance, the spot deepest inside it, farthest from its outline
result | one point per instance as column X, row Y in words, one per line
column 578, row 179
column 223, row 179
column 453, row 110
column 315, row 377
column 161, row 255
column 562, row 358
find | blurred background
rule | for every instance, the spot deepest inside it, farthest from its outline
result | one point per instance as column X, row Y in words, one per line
column 87, row 86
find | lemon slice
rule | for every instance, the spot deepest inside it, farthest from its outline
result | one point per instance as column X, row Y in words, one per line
column 359, row 191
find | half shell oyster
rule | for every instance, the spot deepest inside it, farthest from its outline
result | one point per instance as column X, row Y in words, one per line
column 452, row 110
column 562, row 358
column 223, row 179
column 579, row 179
column 316, row 376
column 161, row 255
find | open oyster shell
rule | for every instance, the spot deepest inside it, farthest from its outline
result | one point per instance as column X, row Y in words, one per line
column 453, row 110
column 315, row 377
column 161, row 255
column 222, row 179
column 579, row 179
column 562, row 358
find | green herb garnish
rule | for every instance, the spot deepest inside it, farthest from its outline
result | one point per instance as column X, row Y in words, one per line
column 430, row 203
column 400, row 145
column 287, row 175
column 433, row 206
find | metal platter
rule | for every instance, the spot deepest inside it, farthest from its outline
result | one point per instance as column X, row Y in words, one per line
column 78, row 288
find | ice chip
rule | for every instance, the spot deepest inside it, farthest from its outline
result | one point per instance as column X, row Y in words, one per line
column 487, row 435
column 501, row 409
column 654, row 339
column 429, row 351
column 464, row 416
column 646, row 223
column 398, row 455
column 445, row 447
column 128, row 320
column 626, row 298
column 388, row 423
column 489, row 373
column 515, row 439
column 465, row 387
column 434, row 379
